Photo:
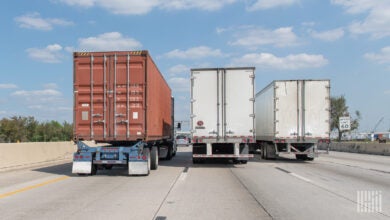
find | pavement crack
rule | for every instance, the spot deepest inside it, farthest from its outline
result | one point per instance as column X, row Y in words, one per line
column 283, row 170
column 328, row 190
column 358, row 167
column 251, row 194
column 155, row 217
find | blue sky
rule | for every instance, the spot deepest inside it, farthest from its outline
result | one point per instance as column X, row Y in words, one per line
column 346, row 41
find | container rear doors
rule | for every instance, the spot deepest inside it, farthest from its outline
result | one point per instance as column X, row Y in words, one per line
column 109, row 97
column 222, row 103
column 302, row 109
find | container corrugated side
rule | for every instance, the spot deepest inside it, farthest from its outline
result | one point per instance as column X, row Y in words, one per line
column 120, row 96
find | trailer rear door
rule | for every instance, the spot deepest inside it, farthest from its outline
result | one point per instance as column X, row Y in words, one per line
column 222, row 103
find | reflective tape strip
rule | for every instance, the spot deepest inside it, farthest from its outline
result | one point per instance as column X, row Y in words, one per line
column 109, row 162
column 222, row 156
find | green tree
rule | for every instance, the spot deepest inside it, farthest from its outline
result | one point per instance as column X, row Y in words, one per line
column 13, row 129
column 67, row 131
column 24, row 129
column 339, row 109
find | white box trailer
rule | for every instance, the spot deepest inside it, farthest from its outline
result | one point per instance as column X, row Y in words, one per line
column 222, row 113
column 293, row 116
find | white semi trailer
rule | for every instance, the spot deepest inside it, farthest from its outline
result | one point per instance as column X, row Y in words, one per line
column 293, row 116
column 222, row 113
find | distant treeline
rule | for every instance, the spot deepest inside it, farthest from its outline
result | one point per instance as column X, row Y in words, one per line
column 27, row 129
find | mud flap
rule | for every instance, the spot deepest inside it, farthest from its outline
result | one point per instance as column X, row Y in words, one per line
column 138, row 168
column 82, row 167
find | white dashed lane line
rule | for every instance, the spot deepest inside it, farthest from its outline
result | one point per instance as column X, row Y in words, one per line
column 294, row 175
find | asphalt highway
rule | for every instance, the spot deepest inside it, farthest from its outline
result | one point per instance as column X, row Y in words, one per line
column 334, row 186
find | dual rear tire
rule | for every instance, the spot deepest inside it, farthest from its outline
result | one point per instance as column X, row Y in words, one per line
column 154, row 158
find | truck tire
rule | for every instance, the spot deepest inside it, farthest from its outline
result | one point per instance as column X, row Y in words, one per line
column 154, row 158
column 169, row 154
column 270, row 152
column 94, row 170
column 262, row 151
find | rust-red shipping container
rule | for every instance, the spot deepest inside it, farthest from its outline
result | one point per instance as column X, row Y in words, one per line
column 120, row 96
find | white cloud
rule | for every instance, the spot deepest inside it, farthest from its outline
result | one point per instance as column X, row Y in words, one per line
column 129, row 7
column 253, row 37
column 50, row 86
column 194, row 53
column 208, row 5
column 36, row 107
column 44, row 92
column 8, row 86
column 82, row 3
column 178, row 69
column 35, row 21
column 45, row 103
column 290, row 62
column 268, row 4
column 179, row 84
column 50, row 54
column 329, row 35
column 382, row 57
column 108, row 42
column 377, row 21
column 3, row 112
column 136, row 7
column 43, row 99
column 54, row 53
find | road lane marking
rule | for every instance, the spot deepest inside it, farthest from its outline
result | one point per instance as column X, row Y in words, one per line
column 183, row 175
column 33, row 186
column 324, row 188
column 300, row 177
column 294, row 174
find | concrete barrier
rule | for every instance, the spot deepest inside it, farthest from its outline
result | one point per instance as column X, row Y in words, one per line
column 20, row 155
column 356, row 147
